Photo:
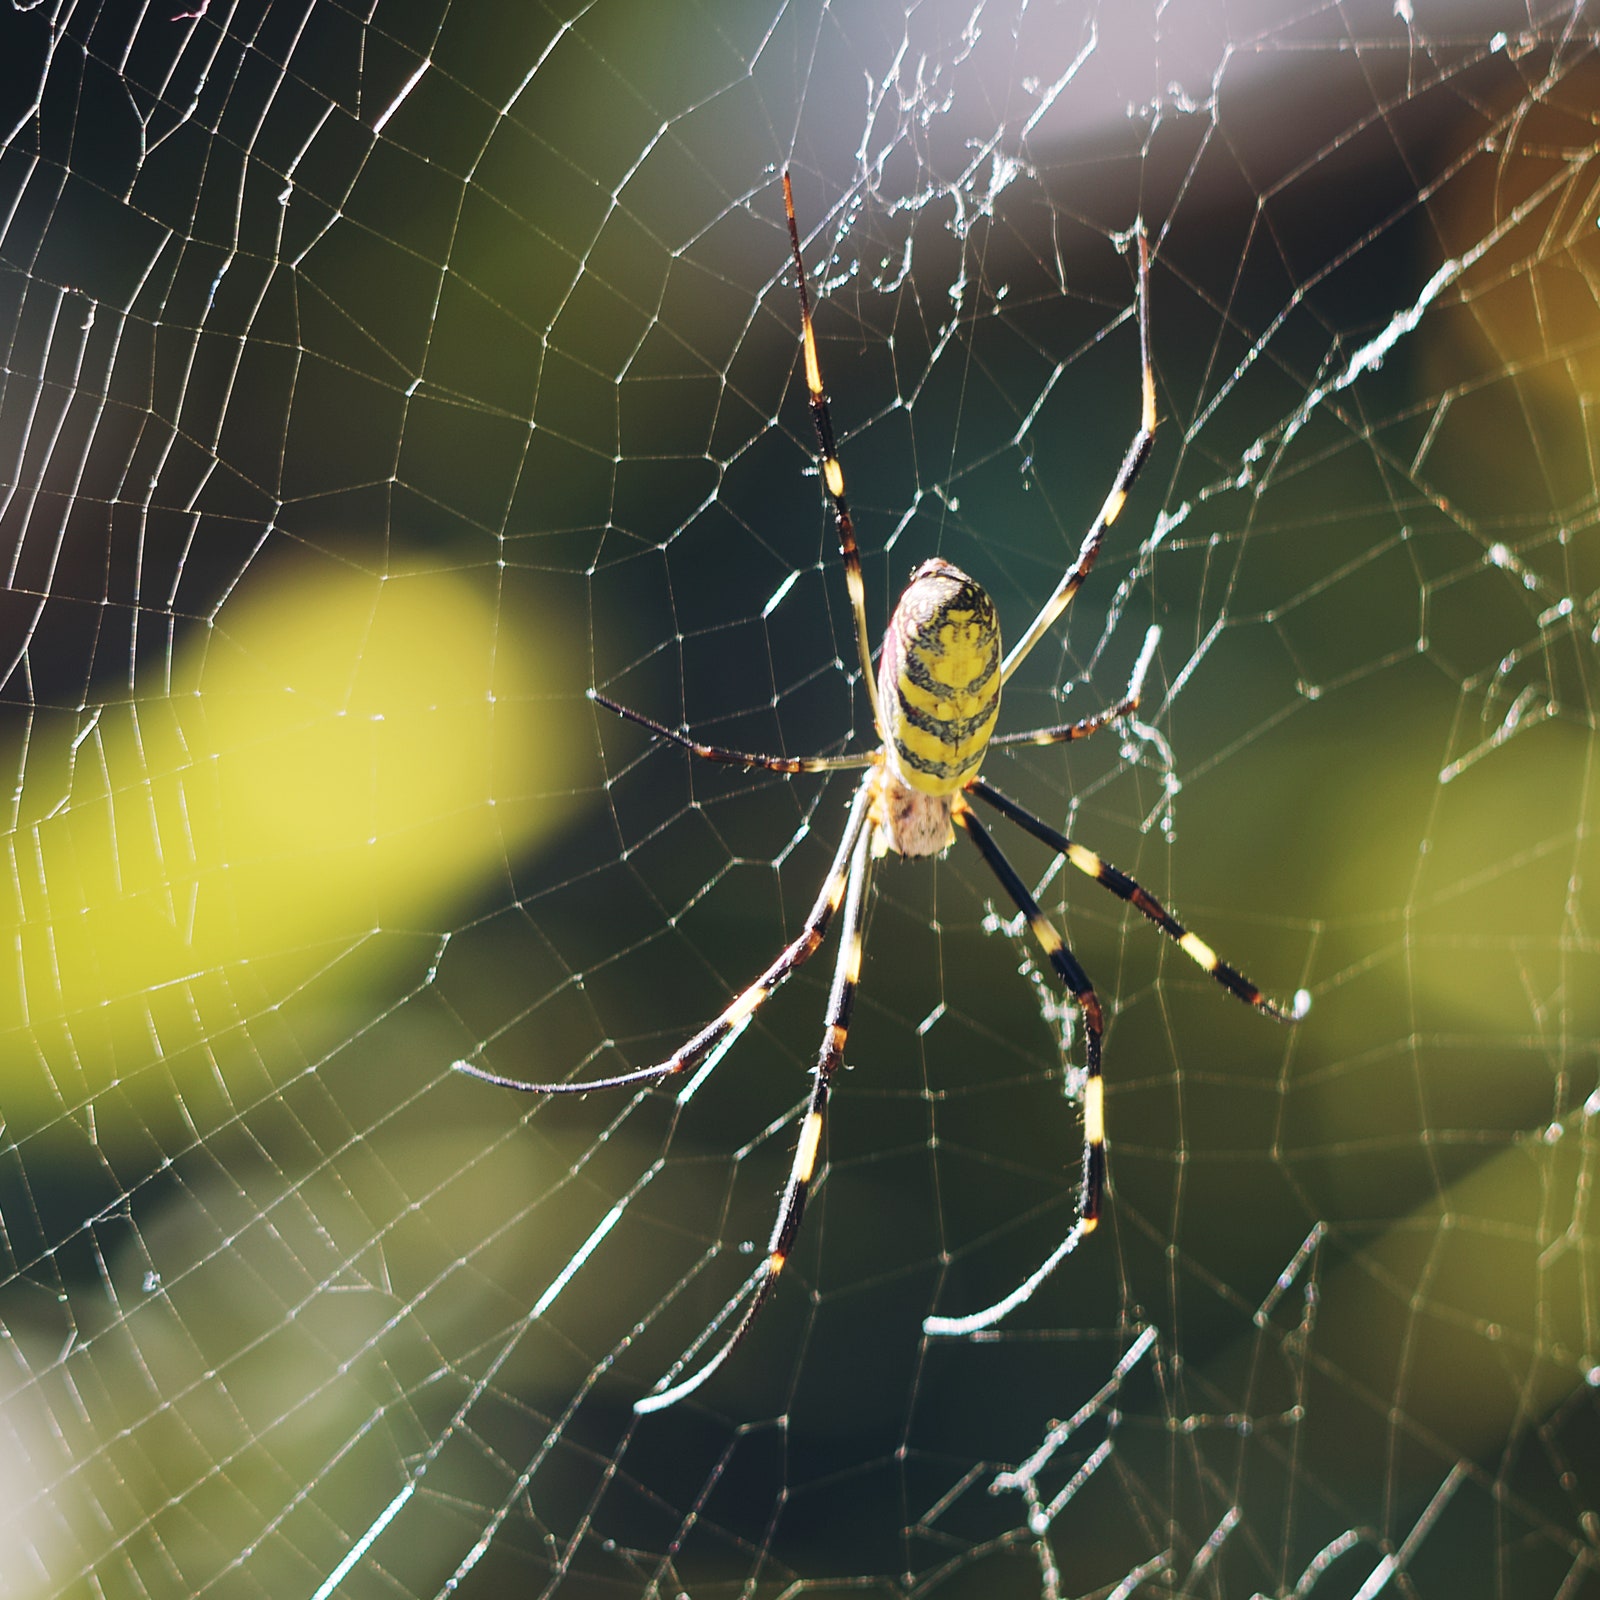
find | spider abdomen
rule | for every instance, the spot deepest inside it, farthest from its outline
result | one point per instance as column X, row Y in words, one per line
column 939, row 679
column 939, row 689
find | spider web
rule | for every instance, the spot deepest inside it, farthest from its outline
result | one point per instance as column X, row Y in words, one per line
column 378, row 381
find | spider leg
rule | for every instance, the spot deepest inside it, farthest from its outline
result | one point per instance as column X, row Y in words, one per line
column 1077, row 982
column 1138, row 454
column 1125, row 707
column 846, row 976
column 1094, row 1154
column 832, row 472
column 737, row 758
column 1065, row 732
column 750, row 1000
column 1125, row 888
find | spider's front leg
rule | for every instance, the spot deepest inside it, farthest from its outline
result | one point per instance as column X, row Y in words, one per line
column 1077, row 982
column 841, row 1001
column 738, row 1012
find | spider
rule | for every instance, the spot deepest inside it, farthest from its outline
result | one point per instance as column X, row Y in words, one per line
column 935, row 696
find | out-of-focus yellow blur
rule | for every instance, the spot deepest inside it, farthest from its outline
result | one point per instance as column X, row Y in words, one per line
column 342, row 756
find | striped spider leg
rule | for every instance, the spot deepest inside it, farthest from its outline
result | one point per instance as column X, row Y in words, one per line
column 836, row 1029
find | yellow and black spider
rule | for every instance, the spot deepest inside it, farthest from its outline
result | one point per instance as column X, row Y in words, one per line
column 935, row 696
